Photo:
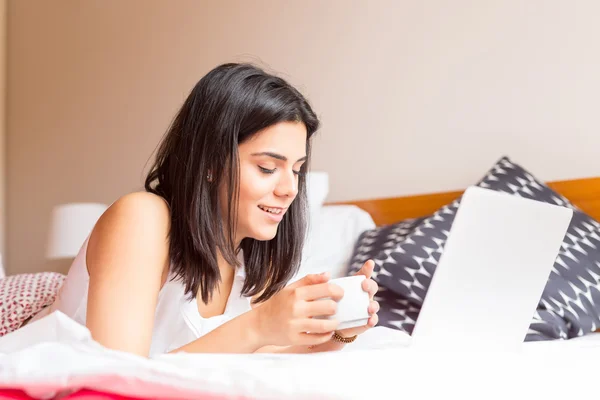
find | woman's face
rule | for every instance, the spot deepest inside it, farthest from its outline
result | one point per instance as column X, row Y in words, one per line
column 269, row 165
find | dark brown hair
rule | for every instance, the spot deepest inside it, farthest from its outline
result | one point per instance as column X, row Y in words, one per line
column 224, row 109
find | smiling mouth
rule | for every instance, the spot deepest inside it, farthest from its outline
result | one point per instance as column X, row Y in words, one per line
column 272, row 210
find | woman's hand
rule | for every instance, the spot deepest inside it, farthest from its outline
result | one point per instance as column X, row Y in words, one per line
column 288, row 317
column 371, row 287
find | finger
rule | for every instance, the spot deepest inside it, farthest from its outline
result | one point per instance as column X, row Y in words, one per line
column 367, row 269
column 373, row 308
column 373, row 320
column 314, row 325
column 370, row 286
column 320, row 308
column 311, row 279
column 319, row 291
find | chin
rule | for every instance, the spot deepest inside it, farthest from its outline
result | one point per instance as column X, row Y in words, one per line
column 264, row 234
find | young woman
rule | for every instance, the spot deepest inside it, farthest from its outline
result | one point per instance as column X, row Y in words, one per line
column 200, row 261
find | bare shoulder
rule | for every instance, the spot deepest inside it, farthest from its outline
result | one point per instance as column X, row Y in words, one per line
column 127, row 260
column 141, row 207
column 134, row 227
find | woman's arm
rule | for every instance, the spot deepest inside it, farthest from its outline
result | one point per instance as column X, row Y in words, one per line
column 323, row 347
column 284, row 318
column 239, row 335
column 127, row 257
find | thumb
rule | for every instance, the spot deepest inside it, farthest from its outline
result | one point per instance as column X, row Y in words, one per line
column 367, row 269
column 310, row 279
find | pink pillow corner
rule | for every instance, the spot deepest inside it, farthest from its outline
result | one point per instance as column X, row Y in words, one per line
column 24, row 295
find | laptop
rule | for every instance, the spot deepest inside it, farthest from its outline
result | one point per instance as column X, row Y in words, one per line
column 490, row 278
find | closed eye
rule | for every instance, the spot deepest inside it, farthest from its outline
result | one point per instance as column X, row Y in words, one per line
column 271, row 171
column 266, row 170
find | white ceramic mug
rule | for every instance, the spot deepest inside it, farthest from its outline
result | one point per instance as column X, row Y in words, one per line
column 353, row 308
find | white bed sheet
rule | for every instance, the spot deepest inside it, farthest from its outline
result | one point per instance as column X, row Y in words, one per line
column 55, row 353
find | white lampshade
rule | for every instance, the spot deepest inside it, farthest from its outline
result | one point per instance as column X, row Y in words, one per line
column 69, row 227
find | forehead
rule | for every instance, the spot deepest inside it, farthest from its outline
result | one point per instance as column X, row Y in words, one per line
column 285, row 138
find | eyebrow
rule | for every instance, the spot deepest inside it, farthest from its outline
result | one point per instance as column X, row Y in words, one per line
column 276, row 156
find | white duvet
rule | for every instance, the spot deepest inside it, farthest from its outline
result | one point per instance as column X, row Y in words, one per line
column 55, row 353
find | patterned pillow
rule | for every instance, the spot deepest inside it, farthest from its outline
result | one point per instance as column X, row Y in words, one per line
column 406, row 255
column 24, row 295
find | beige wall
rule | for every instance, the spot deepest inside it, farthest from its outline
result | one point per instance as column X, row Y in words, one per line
column 3, row 29
column 414, row 96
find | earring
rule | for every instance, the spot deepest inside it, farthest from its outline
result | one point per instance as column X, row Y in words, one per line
column 209, row 176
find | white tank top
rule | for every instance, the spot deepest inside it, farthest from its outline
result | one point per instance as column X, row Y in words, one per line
column 177, row 320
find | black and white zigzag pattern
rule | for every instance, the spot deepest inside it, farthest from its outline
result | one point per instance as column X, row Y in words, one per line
column 406, row 255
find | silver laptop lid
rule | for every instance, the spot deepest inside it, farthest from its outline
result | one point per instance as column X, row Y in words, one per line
column 491, row 275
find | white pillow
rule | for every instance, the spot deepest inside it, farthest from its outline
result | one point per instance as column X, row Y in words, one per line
column 332, row 234
column 317, row 189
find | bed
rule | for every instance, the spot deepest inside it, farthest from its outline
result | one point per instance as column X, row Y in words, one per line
column 379, row 365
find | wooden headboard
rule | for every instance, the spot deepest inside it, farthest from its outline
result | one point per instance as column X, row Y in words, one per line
column 583, row 193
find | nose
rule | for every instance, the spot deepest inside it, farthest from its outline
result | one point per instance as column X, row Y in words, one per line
column 287, row 186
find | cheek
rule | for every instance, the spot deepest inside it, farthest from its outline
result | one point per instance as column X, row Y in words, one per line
column 254, row 189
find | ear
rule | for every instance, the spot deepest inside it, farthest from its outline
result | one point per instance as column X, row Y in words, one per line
column 209, row 176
